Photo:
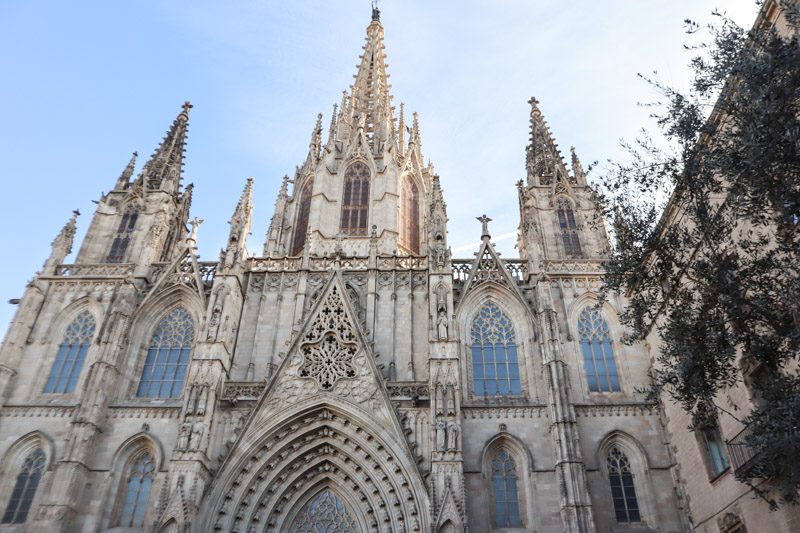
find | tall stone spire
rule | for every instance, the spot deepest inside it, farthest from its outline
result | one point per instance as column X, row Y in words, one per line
column 164, row 169
column 577, row 168
column 543, row 159
column 125, row 177
column 240, row 227
column 62, row 245
column 370, row 102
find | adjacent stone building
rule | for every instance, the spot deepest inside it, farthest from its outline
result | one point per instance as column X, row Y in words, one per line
column 352, row 376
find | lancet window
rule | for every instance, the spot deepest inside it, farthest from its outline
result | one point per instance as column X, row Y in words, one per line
column 495, row 368
column 71, row 353
column 623, row 492
column 168, row 356
column 304, row 209
column 409, row 215
column 325, row 513
column 715, row 447
column 504, row 491
column 123, row 237
column 355, row 200
column 598, row 355
column 137, row 491
column 569, row 229
column 25, row 488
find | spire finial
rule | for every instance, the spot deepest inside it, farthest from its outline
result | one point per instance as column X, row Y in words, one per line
column 376, row 13
column 484, row 220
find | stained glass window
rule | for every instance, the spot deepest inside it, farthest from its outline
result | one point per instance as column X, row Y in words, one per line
column 325, row 514
column 495, row 369
column 623, row 492
column 355, row 200
column 301, row 227
column 504, row 489
column 716, row 450
column 169, row 354
column 409, row 215
column 569, row 230
column 71, row 353
column 120, row 244
column 137, row 491
column 25, row 488
column 598, row 355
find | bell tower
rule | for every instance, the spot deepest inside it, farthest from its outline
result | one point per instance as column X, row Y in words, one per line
column 369, row 177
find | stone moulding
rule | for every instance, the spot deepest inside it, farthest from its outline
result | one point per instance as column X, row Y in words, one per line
column 474, row 412
column 108, row 270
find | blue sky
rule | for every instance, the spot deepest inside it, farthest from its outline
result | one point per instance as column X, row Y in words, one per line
column 87, row 83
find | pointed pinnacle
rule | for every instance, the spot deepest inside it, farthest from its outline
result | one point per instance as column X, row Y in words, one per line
column 128, row 172
column 332, row 128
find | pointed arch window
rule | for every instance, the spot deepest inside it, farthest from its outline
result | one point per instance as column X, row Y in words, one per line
column 569, row 229
column 71, row 353
column 409, row 215
column 325, row 513
column 623, row 492
column 122, row 239
column 598, row 355
column 304, row 209
column 495, row 368
column 355, row 200
column 168, row 356
column 504, row 491
column 25, row 488
column 137, row 491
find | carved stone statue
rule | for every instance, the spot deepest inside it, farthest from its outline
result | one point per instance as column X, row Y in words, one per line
column 452, row 435
column 192, row 403
column 184, row 436
column 202, row 399
column 442, row 326
column 451, row 400
column 213, row 323
column 441, row 435
column 197, row 436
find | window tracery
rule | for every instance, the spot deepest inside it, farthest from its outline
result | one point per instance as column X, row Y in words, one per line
column 71, row 353
column 120, row 244
column 569, row 229
column 504, row 491
column 137, row 491
column 326, row 513
column 168, row 356
column 623, row 492
column 598, row 354
column 495, row 368
column 355, row 200
column 301, row 227
column 409, row 215
column 25, row 488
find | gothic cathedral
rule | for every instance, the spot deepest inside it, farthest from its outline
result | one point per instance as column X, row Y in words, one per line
column 353, row 377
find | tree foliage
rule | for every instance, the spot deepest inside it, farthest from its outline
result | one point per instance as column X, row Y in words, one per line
column 708, row 241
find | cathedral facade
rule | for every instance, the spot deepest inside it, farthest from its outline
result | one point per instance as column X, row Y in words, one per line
column 352, row 377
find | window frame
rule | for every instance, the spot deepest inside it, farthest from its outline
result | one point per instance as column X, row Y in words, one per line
column 365, row 207
column 630, row 473
column 702, row 434
column 125, row 485
column 612, row 344
column 568, row 227
column 143, row 349
column 518, row 350
column 47, row 374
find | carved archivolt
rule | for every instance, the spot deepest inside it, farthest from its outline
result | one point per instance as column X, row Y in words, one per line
column 323, row 446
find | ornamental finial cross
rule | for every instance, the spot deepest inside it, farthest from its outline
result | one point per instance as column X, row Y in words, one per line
column 485, row 225
column 194, row 224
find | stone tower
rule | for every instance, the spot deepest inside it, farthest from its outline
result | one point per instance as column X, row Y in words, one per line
column 354, row 375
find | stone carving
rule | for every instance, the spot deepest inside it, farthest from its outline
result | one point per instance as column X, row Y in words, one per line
column 441, row 435
column 213, row 323
column 441, row 324
column 452, row 435
column 195, row 442
column 184, row 436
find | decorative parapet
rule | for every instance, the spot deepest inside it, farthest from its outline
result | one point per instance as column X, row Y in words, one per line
column 208, row 270
column 408, row 391
column 324, row 264
column 572, row 267
column 236, row 391
column 633, row 409
column 517, row 268
column 531, row 411
column 102, row 270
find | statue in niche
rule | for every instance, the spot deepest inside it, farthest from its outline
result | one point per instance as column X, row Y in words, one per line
column 452, row 435
column 441, row 298
column 190, row 406
column 213, row 323
column 441, row 435
column 440, row 400
column 202, row 399
column 451, row 400
column 441, row 324
column 197, row 436
column 184, row 436
column 439, row 251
